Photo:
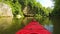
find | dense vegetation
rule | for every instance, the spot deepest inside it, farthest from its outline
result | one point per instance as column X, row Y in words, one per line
column 34, row 7
column 56, row 17
column 56, row 10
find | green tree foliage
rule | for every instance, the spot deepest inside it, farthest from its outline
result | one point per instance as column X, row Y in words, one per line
column 15, row 5
column 35, row 7
column 56, row 10
column 47, row 11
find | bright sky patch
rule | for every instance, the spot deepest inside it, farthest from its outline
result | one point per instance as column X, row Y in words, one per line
column 46, row 3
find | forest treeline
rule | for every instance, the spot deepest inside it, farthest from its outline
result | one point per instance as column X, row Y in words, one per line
column 34, row 8
column 56, row 10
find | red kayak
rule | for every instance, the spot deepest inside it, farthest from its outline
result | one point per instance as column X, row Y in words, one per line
column 33, row 28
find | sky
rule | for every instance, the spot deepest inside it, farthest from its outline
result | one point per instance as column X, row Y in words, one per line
column 46, row 3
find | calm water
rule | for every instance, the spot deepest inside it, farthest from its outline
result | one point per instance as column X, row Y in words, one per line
column 11, row 25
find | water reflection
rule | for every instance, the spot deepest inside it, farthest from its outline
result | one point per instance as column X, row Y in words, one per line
column 49, row 27
column 5, row 22
column 46, row 22
column 15, row 24
column 56, row 23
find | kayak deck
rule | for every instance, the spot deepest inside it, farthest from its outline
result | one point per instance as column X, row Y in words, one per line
column 33, row 28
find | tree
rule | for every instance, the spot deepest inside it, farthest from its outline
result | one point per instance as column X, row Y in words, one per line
column 56, row 10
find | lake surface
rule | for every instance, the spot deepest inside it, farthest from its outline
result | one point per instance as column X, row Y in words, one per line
column 10, row 25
